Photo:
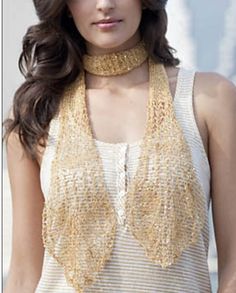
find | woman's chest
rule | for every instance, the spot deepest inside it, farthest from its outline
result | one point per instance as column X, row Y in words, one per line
column 118, row 116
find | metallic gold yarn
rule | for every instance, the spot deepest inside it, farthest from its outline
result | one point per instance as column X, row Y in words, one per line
column 164, row 202
column 116, row 63
column 79, row 223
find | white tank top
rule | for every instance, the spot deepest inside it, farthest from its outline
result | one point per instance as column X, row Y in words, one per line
column 128, row 269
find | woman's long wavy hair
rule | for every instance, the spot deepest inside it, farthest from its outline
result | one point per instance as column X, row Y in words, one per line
column 51, row 59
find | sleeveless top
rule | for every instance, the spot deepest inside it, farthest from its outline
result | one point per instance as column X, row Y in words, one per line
column 128, row 269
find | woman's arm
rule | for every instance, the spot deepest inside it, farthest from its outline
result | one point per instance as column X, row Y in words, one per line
column 219, row 97
column 27, row 206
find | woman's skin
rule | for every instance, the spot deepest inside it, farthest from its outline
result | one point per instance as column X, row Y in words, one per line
column 117, row 111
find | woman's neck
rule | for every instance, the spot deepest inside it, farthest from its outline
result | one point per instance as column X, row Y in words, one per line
column 95, row 50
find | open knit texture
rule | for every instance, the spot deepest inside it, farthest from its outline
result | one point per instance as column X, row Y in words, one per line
column 183, row 216
column 116, row 63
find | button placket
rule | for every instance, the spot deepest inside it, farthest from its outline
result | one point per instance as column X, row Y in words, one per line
column 121, row 184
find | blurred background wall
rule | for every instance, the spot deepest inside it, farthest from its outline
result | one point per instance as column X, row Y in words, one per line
column 203, row 32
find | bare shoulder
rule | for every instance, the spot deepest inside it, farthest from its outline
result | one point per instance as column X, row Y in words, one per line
column 218, row 97
column 215, row 86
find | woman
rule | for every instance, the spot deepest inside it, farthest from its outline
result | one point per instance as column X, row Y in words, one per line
column 114, row 154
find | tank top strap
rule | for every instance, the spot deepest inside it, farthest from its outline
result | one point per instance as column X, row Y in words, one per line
column 184, row 86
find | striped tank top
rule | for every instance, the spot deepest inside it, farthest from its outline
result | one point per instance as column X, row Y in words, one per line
column 128, row 269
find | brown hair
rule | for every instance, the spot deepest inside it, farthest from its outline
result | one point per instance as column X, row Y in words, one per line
column 51, row 59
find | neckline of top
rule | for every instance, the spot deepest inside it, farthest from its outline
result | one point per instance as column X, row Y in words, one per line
column 138, row 142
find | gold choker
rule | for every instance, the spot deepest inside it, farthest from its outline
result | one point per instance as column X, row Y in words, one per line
column 116, row 63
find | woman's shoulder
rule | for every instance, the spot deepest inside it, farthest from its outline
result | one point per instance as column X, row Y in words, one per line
column 218, row 97
column 214, row 86
column 214, row 103
column 215, row 107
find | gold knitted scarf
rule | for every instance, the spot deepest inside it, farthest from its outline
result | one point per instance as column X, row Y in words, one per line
column 164, row 202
